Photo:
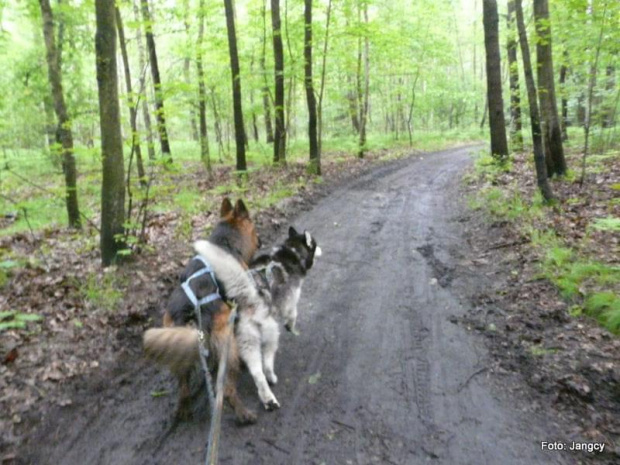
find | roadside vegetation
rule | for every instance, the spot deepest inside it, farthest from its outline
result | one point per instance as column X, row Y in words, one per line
column 576, row 240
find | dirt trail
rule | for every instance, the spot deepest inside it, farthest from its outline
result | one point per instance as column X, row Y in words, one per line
column 379, row 374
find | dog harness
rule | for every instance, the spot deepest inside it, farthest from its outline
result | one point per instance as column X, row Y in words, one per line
column 197, row 303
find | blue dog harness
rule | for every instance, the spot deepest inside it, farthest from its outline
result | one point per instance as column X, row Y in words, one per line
column 197, row 303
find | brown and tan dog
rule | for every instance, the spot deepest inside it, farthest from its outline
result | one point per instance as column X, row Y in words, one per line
column 175, row 345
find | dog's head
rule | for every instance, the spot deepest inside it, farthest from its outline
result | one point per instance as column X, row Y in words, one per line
column 241, row 231
column 305, row 245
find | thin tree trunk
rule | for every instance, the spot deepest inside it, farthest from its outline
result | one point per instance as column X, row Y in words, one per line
column 236, row 85
column 265, row 89
column 539, row 155
column 323, row 71
column 113, row 187
column 187, row 72
column 497, row 124
column 610, row 85
column 279, row 147
column 364, row 109
column 133, row 112
column 218, row 127
column 160, row 113
column 202, row 92
column 591, row 85
column 516, row 134
column 142, row 63
column 563, row 75
column 315, row 160
column 552, row 132
column 64, row 135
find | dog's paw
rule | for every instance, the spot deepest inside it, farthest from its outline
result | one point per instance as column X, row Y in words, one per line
column 247, row 417
column 291, row 329
column 272, row 378
column 271, row 405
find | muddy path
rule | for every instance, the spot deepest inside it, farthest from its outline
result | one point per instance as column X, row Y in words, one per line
column 379, row 373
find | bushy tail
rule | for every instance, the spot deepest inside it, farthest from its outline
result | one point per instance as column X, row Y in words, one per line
column 175, row 348
column 239, row 285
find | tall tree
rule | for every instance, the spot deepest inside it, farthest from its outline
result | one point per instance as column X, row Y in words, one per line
column 236, row 85
column 361, row 151
column 64, row 135
column 146, row 116
column 539, row 155
column 202, row 92
column 133, row 110
column 160, row 113
column 265, row 89
column 563, row 94
column 279, row 146
column 552, row 132
column 323, row 71
column 497, row 125
column 113, row 187
column 315, row 160
column 186, row 69
column 516, row 135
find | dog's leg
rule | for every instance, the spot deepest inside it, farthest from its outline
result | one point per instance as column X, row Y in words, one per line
column 270, row 335
column 249, row 339
column 221, row 330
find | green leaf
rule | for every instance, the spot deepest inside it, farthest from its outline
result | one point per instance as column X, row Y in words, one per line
column 156, row 394
column 28, row 317
column 8, row 264
column 7, row 314
column 12, row 325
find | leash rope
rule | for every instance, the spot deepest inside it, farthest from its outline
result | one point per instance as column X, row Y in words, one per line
column 202, row 350
column 216, row 413
column 216, row 397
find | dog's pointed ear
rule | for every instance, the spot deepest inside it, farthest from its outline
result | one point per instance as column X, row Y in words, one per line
column 240, row 210
column 292, row 232
column 226, row 207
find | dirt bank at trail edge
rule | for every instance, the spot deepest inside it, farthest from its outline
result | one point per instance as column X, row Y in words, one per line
column 379, row 373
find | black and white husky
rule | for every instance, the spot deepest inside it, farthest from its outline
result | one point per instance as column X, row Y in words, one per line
column 264, row 300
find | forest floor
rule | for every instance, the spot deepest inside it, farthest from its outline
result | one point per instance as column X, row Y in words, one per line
column 421, row 338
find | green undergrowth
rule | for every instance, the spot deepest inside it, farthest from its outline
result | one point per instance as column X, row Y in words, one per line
column 587, row 284
column 31, row 181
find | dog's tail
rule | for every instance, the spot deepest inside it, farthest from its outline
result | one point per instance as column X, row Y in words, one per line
column 175, row 348
column 239, row 285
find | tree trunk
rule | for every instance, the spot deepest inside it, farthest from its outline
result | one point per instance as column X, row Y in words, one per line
column 552, row 132
column 113, row 187
column 133, row 111
column 364, row 108
column 516, row 135
column 64, row 135
column 315, row 160
column 187, row 72
column 279, row 146
column 265, row 89
column 497, row 125
column 202, row 92
column 159, row 98
column 610, row 85
column 142, row 63
column 539, row 155
column 323, row 70
column 563, row 74
column 236, row 86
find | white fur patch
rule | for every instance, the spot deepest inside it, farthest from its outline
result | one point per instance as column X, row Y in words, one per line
column 318, row 252
column 308, row 239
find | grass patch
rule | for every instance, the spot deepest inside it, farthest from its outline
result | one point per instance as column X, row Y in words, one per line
column 102, row 290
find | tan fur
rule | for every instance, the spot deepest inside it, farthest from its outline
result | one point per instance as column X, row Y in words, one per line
column 175, row 348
